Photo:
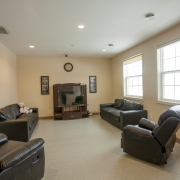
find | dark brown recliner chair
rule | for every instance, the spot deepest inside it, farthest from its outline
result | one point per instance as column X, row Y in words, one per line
column 152, row 141
column 21, row 161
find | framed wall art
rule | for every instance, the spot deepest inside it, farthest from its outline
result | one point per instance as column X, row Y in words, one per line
column 44, row 85
column 92, row 84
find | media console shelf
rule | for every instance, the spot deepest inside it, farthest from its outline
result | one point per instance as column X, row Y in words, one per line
column 70, row 101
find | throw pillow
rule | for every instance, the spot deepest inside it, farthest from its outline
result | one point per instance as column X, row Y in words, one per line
column 130, row 105
column 2, row 117
column 118, row 103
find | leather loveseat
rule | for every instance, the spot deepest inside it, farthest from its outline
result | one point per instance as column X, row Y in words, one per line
column 152, row 141
column 15, row 125
column 20, row 160
column 122, row 112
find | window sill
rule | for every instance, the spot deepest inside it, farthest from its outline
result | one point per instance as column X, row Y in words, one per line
column 168, row 102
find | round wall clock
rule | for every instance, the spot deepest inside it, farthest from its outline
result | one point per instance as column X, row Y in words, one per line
column 68, row 67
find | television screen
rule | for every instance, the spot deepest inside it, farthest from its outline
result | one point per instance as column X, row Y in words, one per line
column 70, row 95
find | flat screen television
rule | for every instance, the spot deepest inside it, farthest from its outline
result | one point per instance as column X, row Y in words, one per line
column 70, row 95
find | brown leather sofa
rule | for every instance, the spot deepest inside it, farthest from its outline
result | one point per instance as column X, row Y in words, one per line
column 152, row 141
column 122, row 112
column 17, row 126
column 21, row 161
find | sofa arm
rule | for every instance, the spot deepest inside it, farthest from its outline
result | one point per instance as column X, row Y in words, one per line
column 147, row 124
column 106, row 105
column 35, row 110
column 131, row 117
column 3, row 138
column 18, row 154
column 16, row 129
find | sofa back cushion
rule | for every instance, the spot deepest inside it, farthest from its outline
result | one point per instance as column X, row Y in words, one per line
column 118, row 103
column 171, row 112
column 130, row 105
column 15, row 109
column 2, row 117
column 7, row 113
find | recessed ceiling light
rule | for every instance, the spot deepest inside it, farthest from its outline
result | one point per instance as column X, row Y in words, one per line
column 31, row 46
column 104, row 50
column 81, row 26
column 149, row 16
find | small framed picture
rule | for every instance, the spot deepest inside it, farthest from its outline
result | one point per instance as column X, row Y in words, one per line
column 44, row 85
column 92, row 84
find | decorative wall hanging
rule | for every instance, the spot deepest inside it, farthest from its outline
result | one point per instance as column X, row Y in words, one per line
column 92, row 84
column 44, row 85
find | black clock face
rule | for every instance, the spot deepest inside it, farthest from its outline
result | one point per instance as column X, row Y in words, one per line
column 68, row 67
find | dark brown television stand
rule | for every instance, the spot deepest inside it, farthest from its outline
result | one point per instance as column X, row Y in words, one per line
column 70, row 101
column 68, row 112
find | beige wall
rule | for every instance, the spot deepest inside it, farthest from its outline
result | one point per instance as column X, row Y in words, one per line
column 148, row 50
column 8, row 77
column 29, row 70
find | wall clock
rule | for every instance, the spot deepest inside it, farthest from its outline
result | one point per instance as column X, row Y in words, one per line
column 68, row 67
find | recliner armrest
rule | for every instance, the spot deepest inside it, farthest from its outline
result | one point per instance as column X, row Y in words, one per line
column 16, row 155
column 3, row 138
column 147, row 124
column 137, row 130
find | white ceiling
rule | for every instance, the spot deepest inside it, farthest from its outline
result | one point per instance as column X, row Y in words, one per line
column 51, row 25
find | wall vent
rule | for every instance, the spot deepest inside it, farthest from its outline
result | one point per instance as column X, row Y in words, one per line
column 3, row 30
column 110, row 44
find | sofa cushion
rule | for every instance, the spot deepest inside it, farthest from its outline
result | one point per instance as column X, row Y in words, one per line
column 115, row 115
column 16, row 109
column 130, row 105
column 118, row 103
column 7, row 112
column 106, row 110
column 2, row 117
column 171, row 112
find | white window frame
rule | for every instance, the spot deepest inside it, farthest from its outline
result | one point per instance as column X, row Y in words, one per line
column 126, row 78
column 161, row 72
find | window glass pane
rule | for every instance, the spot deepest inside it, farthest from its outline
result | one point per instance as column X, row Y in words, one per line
column 140, row 80
column 129, row 90
column 177, row 63
column 178, row 49
column 177, row 92
column 168, row 92
column 169, row 51
column 140, row 63
column 169, row 79
column 135, row 90
column 136, row 71
column 132, row 72
column 140, row 70
column 169, row 64
column 134, row 64
column 177, row 79
column 140, row 91
column 129, row 81
column 127, row 71
column 135, row 81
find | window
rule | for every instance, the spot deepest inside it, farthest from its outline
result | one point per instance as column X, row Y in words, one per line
column 169, row 72
column 133, row 86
